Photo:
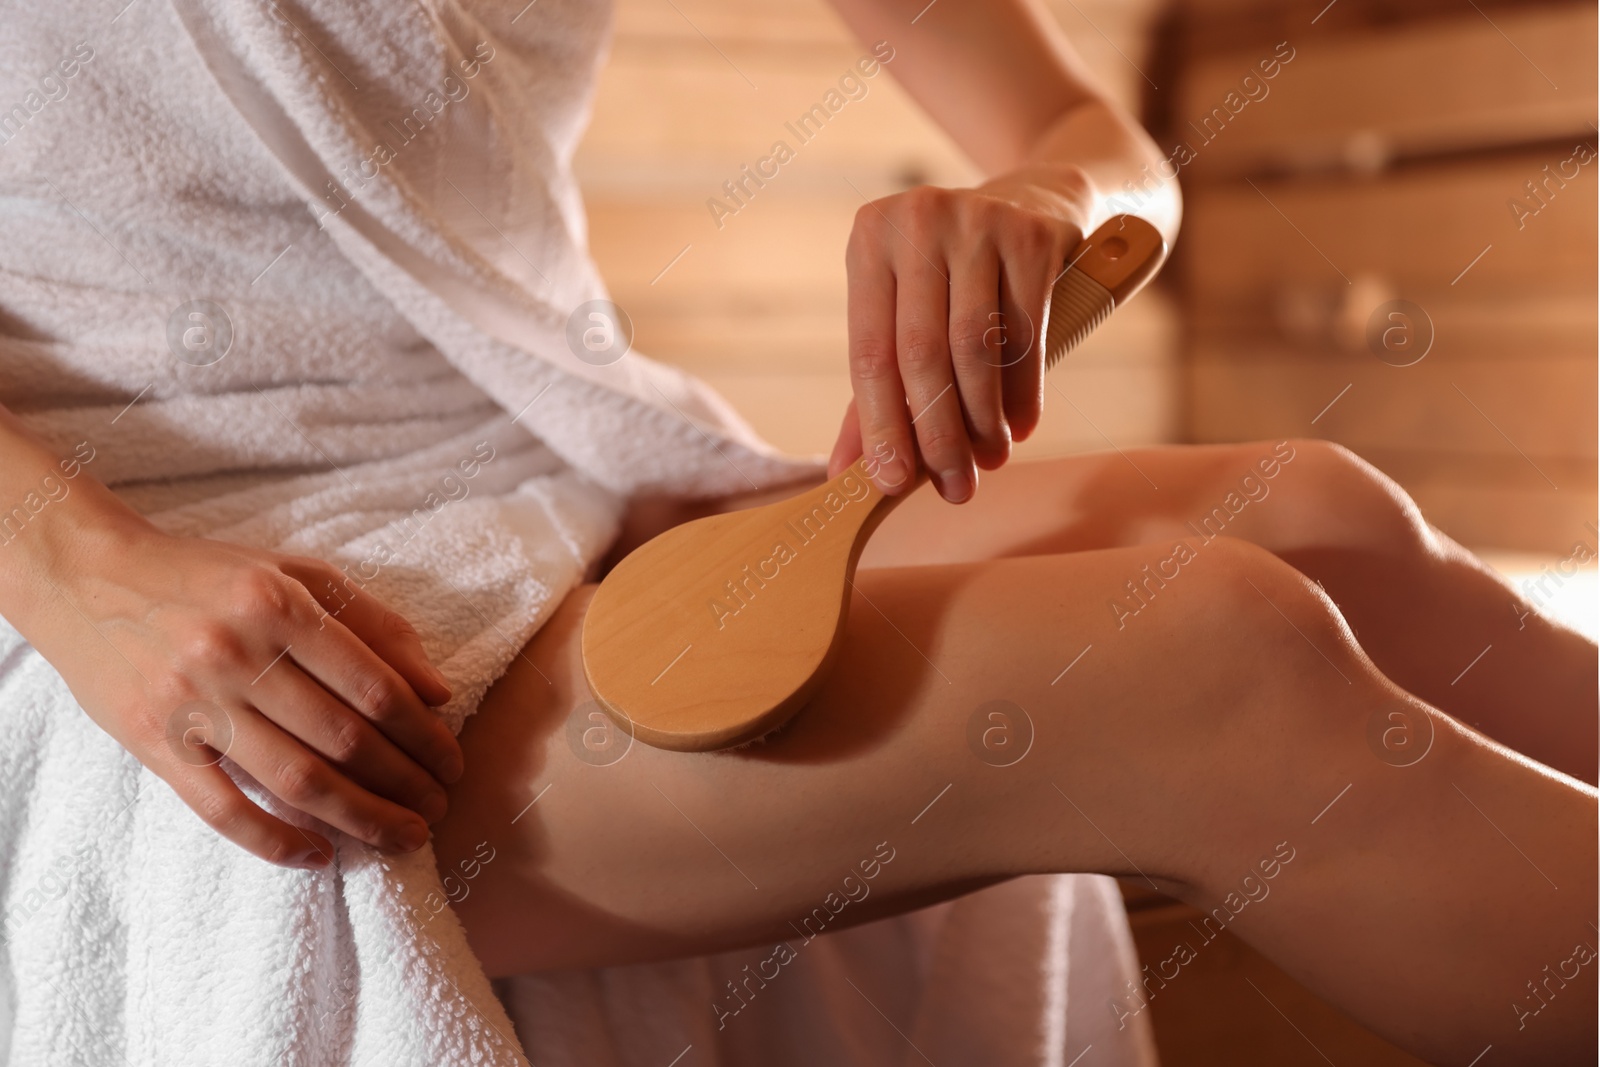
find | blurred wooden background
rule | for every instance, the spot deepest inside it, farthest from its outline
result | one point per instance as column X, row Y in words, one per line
column 1382, row 163
column 757, row 307
column 1380, row 166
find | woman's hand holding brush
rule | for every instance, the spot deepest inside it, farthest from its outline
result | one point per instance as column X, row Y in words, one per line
column 948, row 295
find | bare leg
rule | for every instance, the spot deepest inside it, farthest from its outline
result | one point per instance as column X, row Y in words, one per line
column 1430, row 615
column 1226, row 726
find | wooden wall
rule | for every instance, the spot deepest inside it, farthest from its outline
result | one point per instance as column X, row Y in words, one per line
column 1380, row 166
column 697, row 88
column 1385, row 162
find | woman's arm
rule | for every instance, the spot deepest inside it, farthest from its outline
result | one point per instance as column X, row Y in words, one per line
column 949, row 288
column 185, row 649
column 1000, row 78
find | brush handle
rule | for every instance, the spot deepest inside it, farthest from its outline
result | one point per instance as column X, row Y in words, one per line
column 1109, row 266
column 1112, row 263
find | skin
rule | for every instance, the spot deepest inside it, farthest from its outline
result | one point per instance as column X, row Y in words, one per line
column 1219, row 724
column 164, row 640
column 1184, row 747
column 949, row 288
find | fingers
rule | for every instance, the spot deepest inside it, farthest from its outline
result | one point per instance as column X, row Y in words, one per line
column 382, row 629
column 922, row 334
column 977, row 348
column 346, row 667
column 948, row 296
column 885, row 428
column 303, row 709
column 222, row 805
column 1022, row 355
column 306, row 782
column 395, row 640
column 1034, row 257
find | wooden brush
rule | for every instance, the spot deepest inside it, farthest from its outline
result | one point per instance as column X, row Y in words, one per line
column 720, row 629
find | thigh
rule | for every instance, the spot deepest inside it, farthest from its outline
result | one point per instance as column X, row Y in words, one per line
column 608, row 852
column 1432, row 616
column 991, row 719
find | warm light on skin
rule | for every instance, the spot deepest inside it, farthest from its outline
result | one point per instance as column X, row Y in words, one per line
column 1236, row 714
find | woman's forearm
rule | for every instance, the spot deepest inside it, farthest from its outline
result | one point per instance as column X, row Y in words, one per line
column 950, row 288
column 1002, row 80
column 53, row 513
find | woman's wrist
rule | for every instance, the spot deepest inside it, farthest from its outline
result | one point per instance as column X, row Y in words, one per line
column 71, row 546
column 1122, row 166
column 1061, row 190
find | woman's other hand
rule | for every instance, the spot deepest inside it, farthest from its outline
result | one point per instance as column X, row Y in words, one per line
column 186, row 649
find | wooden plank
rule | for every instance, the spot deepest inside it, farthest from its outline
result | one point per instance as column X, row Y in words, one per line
column 684, row 116
column 1332, row 321
column 692, row 92
column 1441, row 85
column 777, row 22
column 801, row 23
column 788, row 248
column 1444, row 403
column 1210, row 27
column 1424, row 232
column 1490, row 503
column 1468, row 478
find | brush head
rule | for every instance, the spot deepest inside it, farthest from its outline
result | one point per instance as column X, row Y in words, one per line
column 719, row 630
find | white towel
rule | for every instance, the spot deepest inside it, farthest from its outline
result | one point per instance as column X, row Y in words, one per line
column 1022, row 973
column 173, row 158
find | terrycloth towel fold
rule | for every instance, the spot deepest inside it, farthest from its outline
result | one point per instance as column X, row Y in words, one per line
column 286, row 271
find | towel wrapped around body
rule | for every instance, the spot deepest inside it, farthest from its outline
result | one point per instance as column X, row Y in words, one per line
column 299, row 276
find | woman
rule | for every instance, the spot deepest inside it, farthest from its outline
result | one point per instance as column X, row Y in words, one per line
column 1200, row 710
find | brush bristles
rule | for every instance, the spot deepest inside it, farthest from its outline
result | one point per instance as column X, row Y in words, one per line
column 1078, row 305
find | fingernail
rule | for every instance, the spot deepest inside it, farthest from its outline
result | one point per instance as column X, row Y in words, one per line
column 411, row 837
column 439, row 680
column 889, row 476
column 955, row 485
column 434, row 808
column 453, row 768
column 312, row 859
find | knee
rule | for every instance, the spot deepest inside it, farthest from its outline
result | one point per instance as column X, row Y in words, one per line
column 1346, row 502
column 1276, row 622
column 1248, row 659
